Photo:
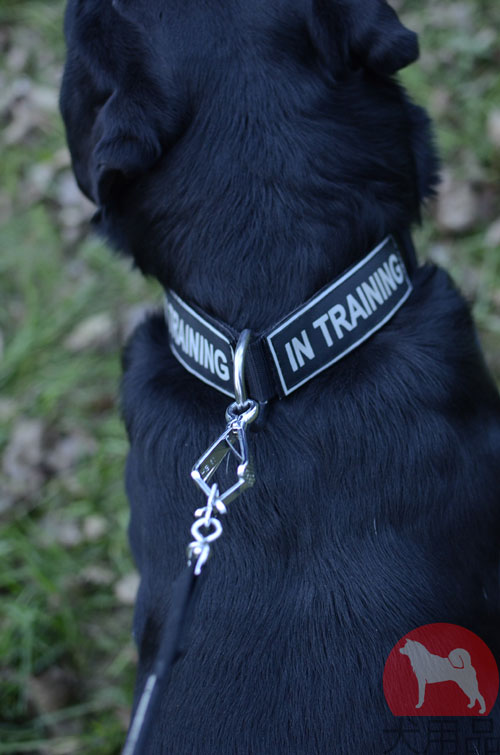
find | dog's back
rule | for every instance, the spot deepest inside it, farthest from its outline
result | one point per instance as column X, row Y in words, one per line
column 245, row 157
column 331, row 557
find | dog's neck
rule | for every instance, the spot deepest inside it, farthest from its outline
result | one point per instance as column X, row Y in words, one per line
column 257, row 280
column 288, row 194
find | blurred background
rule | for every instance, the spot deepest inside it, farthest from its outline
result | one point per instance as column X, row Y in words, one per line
column 67, row 583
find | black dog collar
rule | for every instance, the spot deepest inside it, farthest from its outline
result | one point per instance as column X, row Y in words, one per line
column 335, row 321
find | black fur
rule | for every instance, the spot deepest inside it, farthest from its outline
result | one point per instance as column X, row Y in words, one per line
column 245, row 153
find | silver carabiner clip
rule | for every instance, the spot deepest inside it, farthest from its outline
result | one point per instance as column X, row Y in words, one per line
column 233, row 440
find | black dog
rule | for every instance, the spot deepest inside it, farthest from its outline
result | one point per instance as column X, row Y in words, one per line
column 246, row 153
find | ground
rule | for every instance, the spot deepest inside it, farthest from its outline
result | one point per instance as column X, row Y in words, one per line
column 67, row 581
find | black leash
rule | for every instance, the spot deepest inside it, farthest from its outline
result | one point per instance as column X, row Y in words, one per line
column 172, row 647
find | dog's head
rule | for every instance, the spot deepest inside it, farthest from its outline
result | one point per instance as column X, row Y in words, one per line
column 176, row 110
column 406, row 648
column 411, row 648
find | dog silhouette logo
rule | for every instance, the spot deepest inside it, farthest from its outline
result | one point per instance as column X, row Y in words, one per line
column 441, row 670
column 430, row 668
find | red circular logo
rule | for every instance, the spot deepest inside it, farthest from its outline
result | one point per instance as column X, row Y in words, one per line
column 440, row 670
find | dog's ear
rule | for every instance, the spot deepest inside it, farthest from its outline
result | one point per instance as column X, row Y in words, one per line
column 121, row 112
column 112, row 137
column 126, row 144
column 350, row 34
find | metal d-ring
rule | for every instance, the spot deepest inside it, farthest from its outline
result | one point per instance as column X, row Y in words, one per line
column 240, row 390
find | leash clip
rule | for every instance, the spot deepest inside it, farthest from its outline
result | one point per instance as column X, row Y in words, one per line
column 233, row 441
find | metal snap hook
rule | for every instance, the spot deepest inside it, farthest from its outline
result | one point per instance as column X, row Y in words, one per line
column 240, row 391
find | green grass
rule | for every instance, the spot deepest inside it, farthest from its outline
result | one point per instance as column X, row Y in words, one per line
column 50, row 615
column 460, row 52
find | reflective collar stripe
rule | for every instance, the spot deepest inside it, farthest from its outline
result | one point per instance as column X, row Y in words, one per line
column 200, row 346
column 329, row 326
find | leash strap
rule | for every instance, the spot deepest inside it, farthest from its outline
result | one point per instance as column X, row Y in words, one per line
column 336, row 320
column 172, row 647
